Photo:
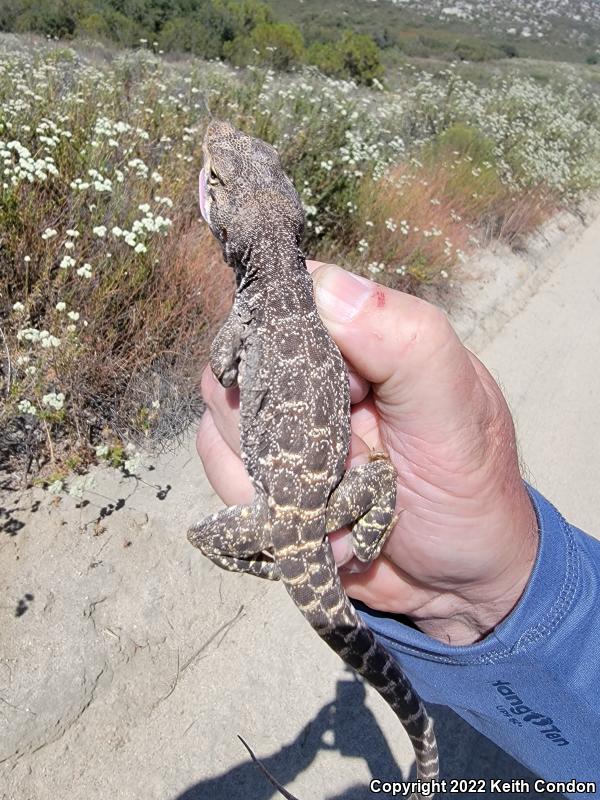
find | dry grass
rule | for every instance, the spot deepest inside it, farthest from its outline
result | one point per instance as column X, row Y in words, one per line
column 423, row 215
column 132, row 373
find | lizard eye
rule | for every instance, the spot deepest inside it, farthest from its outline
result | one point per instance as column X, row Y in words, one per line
column 213, row 179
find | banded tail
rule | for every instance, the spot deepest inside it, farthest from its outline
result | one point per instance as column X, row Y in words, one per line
column 311, row 579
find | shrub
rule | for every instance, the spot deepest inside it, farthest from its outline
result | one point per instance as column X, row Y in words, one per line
column 354, row 56
column 186, row 35
column 56, row 18
column 113, row 26
column 327, row 58
column 476, row 51
column 276, row 45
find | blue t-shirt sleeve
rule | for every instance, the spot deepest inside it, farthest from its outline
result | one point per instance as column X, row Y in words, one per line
column 532, row 686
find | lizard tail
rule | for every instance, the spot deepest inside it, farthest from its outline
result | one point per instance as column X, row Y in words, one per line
column 320, row 597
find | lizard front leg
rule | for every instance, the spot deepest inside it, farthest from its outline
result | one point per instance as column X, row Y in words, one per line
column 225, row 350
column 366, row 497
column 235, row 539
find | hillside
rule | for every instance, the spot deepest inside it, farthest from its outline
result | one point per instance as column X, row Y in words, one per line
column 566, row 30
column 289, row 32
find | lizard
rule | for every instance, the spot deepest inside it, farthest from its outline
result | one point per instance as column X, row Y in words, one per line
column 294, row 405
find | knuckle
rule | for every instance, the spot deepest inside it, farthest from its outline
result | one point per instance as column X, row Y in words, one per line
column 428, row 328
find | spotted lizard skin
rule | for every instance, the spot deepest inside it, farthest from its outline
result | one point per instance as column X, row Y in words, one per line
column 294, row 423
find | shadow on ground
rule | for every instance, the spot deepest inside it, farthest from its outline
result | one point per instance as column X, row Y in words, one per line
column 347, row 726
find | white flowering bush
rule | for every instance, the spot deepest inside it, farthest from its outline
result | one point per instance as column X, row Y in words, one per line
column 110, row 286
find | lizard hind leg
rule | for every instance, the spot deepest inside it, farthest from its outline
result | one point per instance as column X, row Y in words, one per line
column 236, row 539
column 366, row 499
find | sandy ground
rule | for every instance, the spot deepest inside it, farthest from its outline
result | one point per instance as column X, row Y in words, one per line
column 128, row 663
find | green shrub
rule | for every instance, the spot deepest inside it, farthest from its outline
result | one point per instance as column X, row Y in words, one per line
column 50, row 17
column 327, row 57
column 186, row 35
column 476, row 51
column 95, row 26
column 462, row 140
column 249, row 14
column 354, row 56
column 276, row 45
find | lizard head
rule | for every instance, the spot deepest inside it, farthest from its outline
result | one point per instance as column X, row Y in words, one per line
column 244, row 192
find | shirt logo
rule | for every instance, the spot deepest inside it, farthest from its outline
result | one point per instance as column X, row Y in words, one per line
column 518, row 710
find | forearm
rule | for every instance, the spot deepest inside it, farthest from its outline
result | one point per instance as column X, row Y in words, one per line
column 531, row 685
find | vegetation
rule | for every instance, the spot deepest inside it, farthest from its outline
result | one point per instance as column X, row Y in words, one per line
column 354, row 56
column 350, row 39
column 110, row 287
column 240, row 32
column 477, row 30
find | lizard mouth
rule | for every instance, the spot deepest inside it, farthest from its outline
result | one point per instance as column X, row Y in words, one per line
column 202, row 195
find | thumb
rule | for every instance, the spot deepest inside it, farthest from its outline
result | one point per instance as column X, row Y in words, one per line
column 424, row 381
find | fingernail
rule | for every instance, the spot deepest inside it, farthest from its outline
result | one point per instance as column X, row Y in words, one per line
column 340, row 295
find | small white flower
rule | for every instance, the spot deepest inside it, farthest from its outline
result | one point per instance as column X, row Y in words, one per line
column 18, row 306
column 66, row 262
column 53, row 400
column 29, row 334
column 72, row 232
column 60, row 306
column 26, row 407
column 140, row 248
column 85, row 271
column 74, row 315
column 116, row 231
column 48, row 233
column 49, row 341
column 71, row 328
column 99, row 230
column 27, row 259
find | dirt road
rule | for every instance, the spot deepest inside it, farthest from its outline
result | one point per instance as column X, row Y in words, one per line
column 128, row 664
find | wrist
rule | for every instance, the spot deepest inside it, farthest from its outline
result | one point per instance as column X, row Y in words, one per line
column 470, row 614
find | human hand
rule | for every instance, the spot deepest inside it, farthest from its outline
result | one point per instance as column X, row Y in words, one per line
column 466, row 539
